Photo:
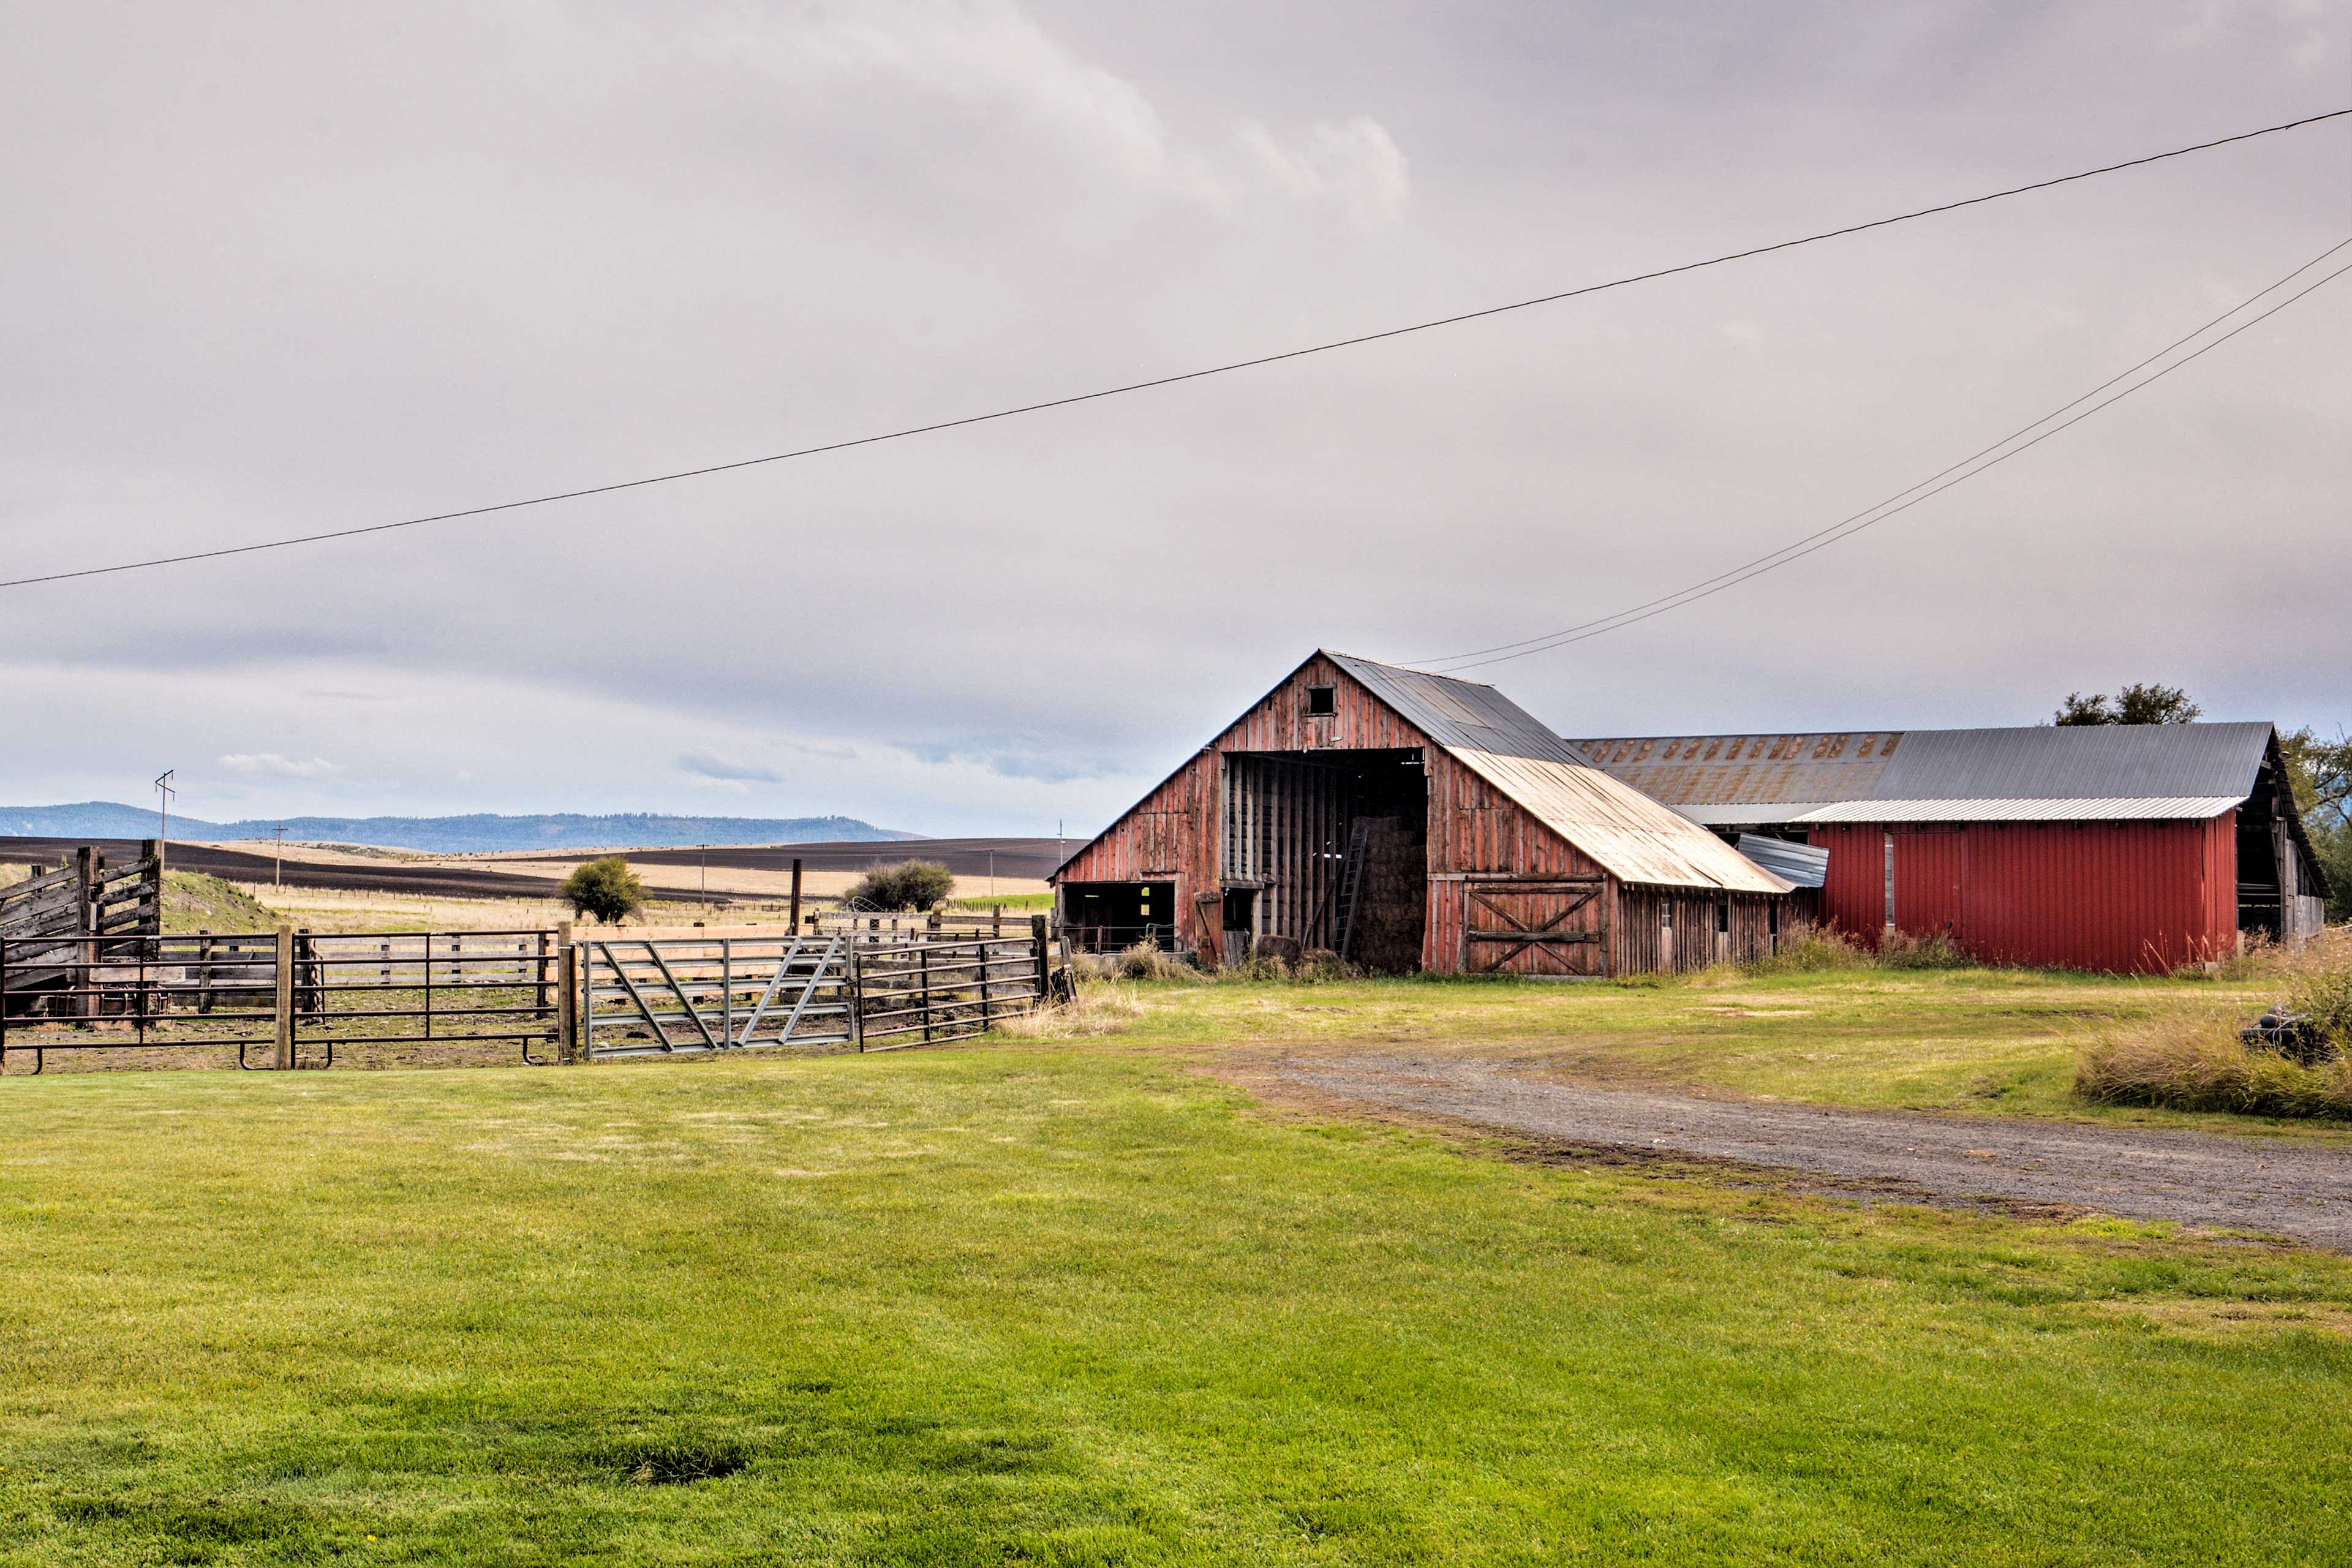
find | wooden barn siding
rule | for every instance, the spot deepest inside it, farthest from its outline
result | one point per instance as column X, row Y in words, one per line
column 1639, row 941
column 2121, row 897
column 1191, row 802
column 1473, row 827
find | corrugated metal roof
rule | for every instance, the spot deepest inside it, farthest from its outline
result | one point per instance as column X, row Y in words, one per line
column 1727, row 778
column 1457, row 713
column 2106, row 808
column 1755, row 816
column 1686, row 771
column 1800, row 865
column 1634, row 837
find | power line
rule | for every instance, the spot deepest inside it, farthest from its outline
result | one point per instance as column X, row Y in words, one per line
column 1169, row 379
column 1698, row 591
column 1843, row 523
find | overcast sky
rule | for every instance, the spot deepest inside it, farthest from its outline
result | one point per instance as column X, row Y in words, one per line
column 276, row 268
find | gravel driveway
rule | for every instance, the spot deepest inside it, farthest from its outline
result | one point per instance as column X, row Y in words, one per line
column 2271, row 1185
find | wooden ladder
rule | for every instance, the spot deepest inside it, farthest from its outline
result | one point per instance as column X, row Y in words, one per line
column 1351, row 880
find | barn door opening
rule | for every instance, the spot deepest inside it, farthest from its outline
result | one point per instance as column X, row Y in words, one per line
column 1334, row 844
column 1240, row 924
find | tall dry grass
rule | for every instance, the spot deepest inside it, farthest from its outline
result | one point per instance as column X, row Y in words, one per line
column 1100, row 1006
column 2189, row 1056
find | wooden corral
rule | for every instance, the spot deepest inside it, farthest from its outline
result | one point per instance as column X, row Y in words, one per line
column 1411, row 821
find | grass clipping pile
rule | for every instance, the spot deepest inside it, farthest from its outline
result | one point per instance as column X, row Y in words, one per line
column 2193, row 1058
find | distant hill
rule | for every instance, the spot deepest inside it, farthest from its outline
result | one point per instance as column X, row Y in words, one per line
column 448, row 835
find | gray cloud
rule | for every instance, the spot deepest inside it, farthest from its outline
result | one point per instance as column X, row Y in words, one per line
column 291, row 267
column 704, row 766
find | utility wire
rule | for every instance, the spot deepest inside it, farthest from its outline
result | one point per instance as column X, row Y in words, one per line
column 1842, row 522
column 1730, row 580
column 1171, row 380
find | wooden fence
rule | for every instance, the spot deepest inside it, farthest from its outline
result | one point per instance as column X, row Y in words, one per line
column 296, row 999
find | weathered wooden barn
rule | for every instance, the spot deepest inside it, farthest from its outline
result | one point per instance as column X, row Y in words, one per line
column 1411, row 821
column 2129, row 848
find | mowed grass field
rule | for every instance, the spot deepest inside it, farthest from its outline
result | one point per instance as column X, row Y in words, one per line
column 1077, row 1303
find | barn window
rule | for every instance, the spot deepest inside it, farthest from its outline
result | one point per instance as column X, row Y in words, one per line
column 1665, row 916
column 1322, row 702
column 1722, row 915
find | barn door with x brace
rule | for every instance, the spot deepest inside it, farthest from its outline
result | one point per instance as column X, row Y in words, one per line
column 1553, row 925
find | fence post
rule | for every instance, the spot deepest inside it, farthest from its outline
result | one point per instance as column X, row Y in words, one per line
column 285, row 1008
column 88, row 862
column 796, row 895
column 856, row 991
column 1045, row 961
column 923, row 967
column 567, row 1004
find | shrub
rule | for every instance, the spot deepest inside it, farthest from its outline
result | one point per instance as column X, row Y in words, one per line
column 908, row 885
column 604, row 888
column 2191, row 1059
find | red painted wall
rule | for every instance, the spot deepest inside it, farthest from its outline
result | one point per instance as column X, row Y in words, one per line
column 2121, row 897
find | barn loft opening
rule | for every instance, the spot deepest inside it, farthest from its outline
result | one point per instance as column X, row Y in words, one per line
column 1328, row 849
column 1322, row 701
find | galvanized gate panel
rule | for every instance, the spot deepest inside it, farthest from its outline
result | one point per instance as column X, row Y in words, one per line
column 663, row 996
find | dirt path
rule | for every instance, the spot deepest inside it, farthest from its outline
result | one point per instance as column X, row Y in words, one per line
column 2270, row 1185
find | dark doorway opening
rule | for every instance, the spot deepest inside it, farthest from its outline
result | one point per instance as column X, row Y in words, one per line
column 1106, row 917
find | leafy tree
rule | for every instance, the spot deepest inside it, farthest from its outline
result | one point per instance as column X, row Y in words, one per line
column 606, row 889
column 2320, row 772
column 908, row 885
column 2135, row 704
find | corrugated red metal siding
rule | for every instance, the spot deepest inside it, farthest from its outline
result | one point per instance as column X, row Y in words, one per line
column 2120, row 897
column 1929, row 864
column 1853, row 888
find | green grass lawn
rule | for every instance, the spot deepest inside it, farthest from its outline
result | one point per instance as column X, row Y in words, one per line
column 1976, row 1040
column 1076, row 1305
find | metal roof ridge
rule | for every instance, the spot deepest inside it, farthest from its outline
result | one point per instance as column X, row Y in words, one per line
column 1406, row 669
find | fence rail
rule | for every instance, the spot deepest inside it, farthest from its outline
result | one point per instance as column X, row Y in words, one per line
column 296, row 999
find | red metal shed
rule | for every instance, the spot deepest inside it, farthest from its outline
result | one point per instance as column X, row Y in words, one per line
column 2125, row 848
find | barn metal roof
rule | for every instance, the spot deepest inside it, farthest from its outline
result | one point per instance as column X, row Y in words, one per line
column 1632, row 836
column 2041, row 773
column 1637, row 839
column 1458, row 714
column 2090, row 808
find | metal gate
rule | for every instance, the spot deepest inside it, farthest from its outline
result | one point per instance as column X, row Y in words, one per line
column 666, row 996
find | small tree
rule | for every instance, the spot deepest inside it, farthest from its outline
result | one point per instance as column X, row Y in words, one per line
column 908, row 885
column 606, row 889
column 2135, row 704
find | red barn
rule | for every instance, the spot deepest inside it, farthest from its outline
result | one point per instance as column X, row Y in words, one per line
column 2130, row 849
column 1411, row 821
